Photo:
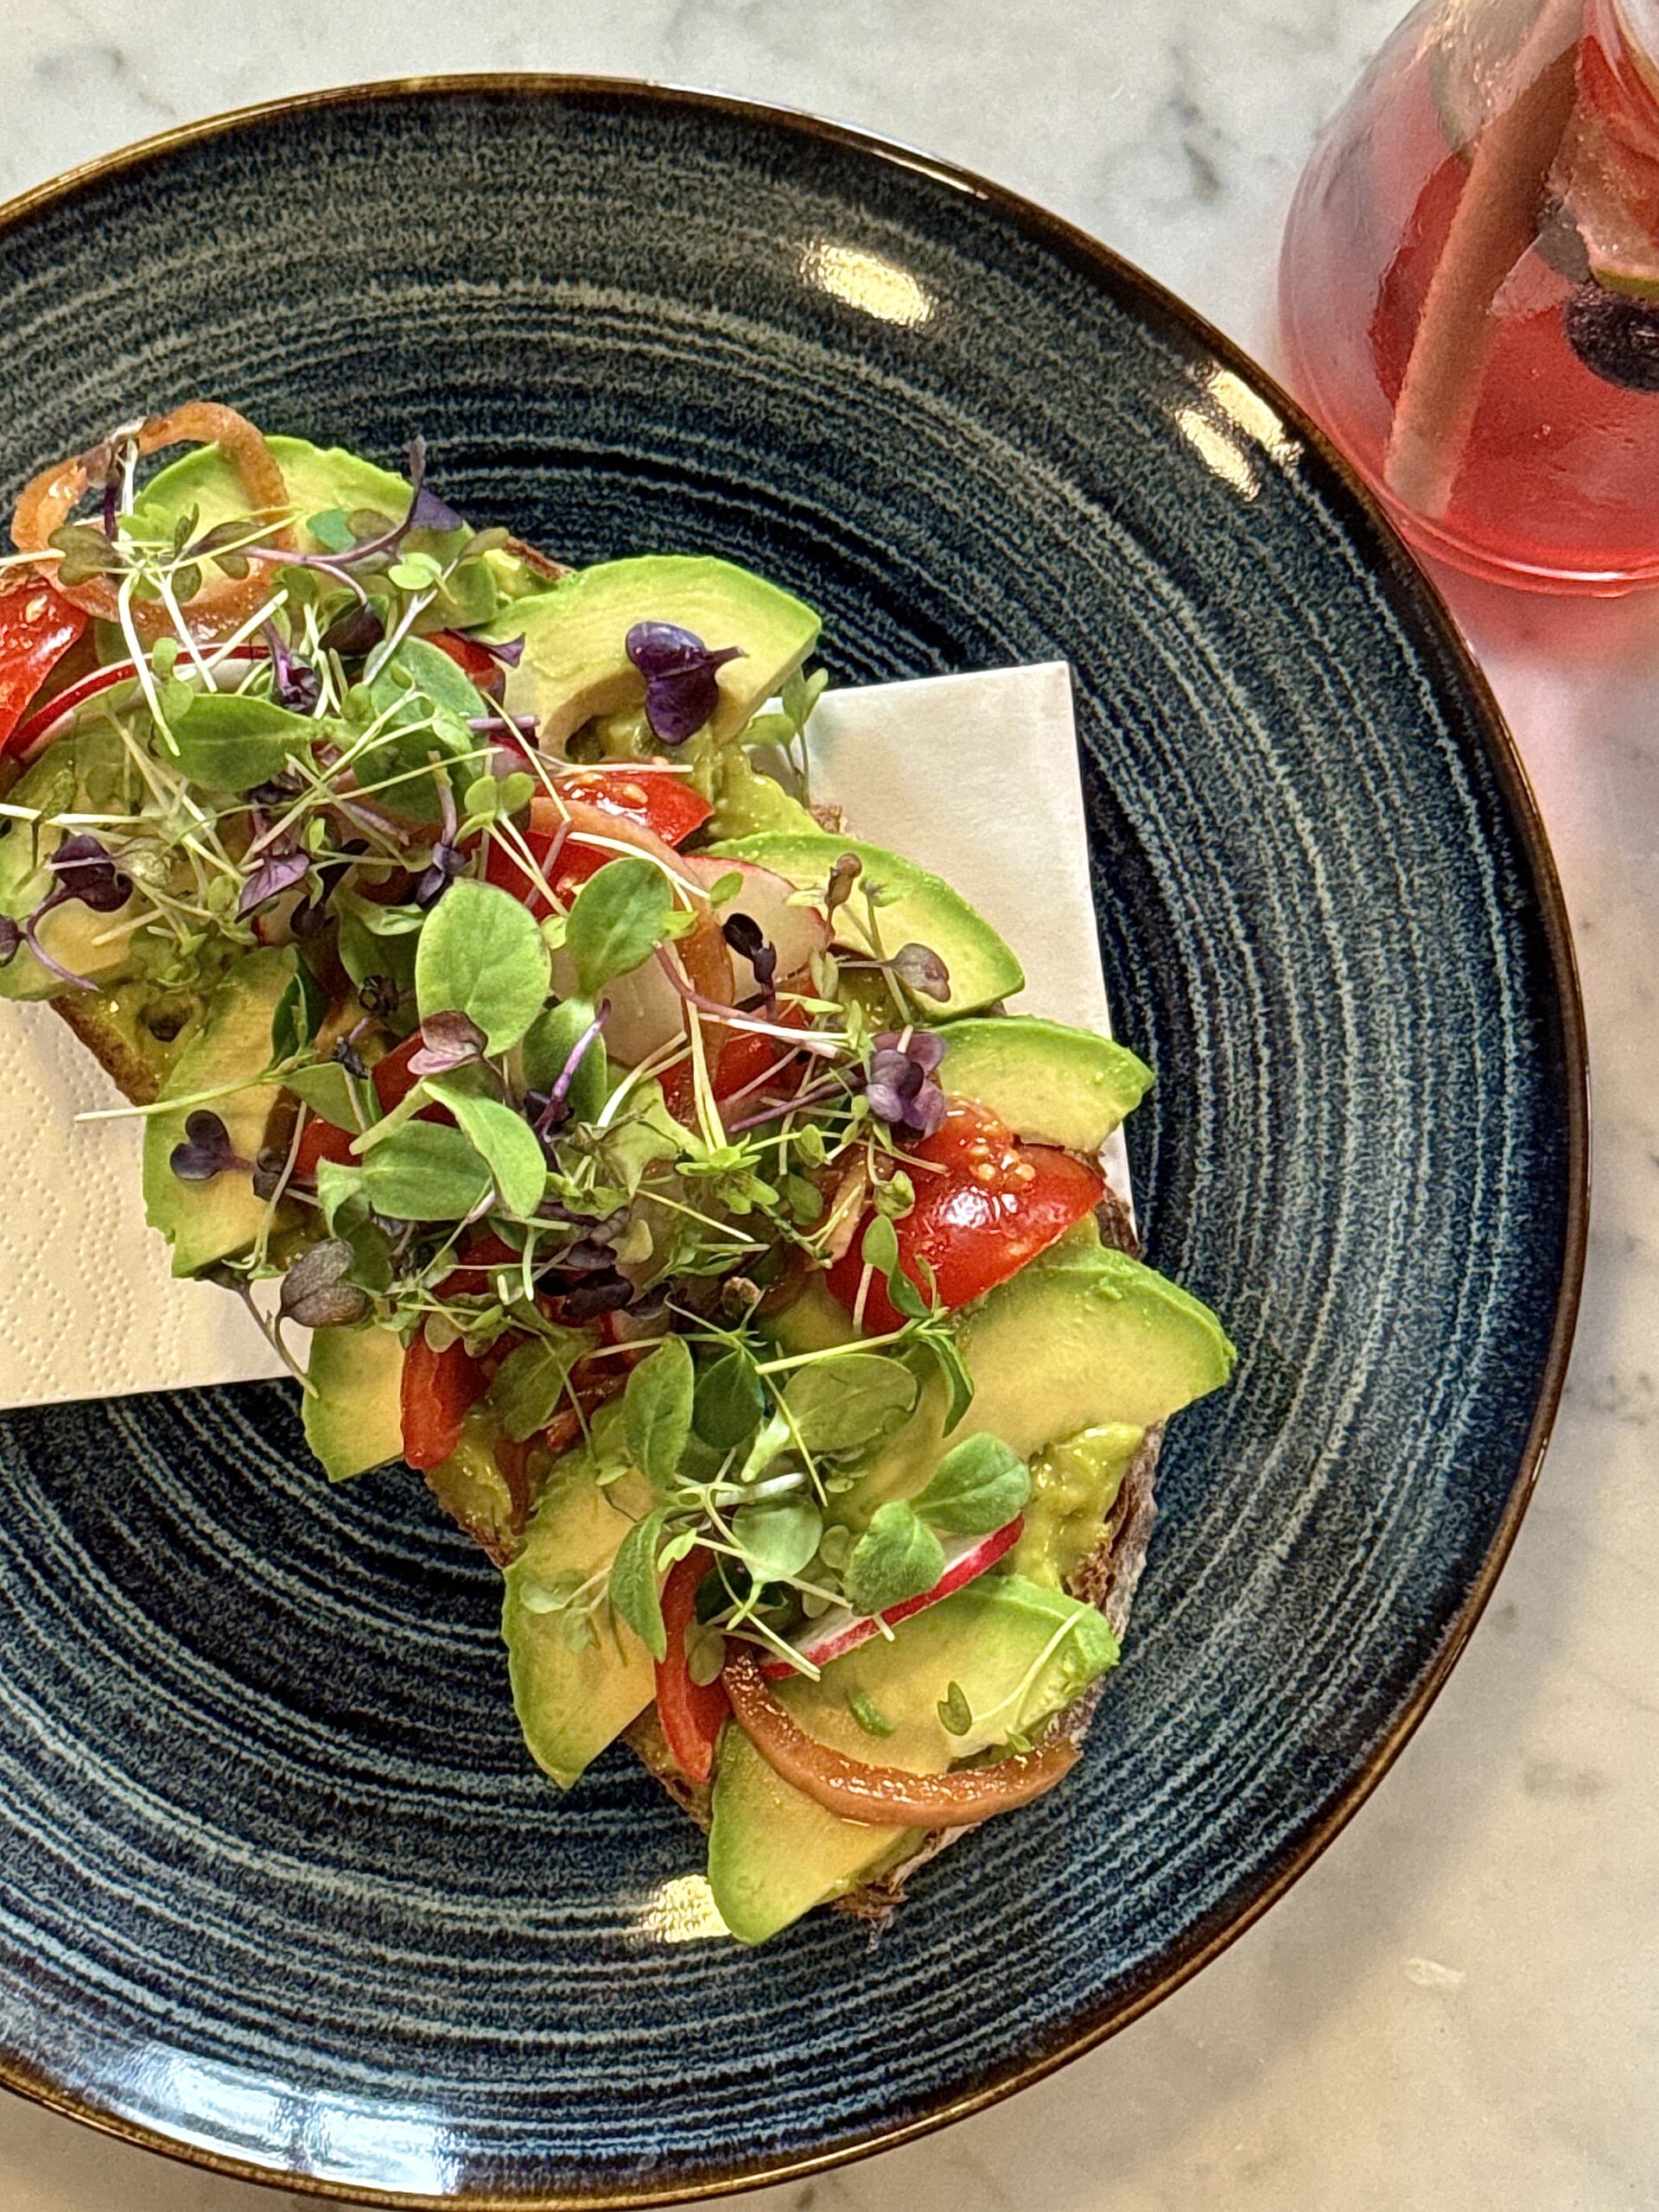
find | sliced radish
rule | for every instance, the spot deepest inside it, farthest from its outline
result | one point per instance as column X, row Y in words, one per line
column 36, row 731
column 796, row 931
column 836, row 1633
column 51, row 720
column 646, row 1011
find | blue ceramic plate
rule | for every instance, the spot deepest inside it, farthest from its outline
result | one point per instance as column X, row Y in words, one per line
column 279, row 1890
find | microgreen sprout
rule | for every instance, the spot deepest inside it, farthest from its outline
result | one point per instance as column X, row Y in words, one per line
column 680, row 673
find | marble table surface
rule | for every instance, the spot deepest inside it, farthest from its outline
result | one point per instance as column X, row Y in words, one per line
column 1460, row 2003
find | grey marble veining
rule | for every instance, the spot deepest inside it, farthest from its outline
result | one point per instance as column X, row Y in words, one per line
column 1459, row 2005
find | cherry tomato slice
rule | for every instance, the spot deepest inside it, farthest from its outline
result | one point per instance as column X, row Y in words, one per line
column 481, row 1250
column 321, row 1140
column 985, row 1204
column 439, row 1389
column 665, row 806
column 393, row 1081
column 479, row 667
column 37, row 628
column 691, row 1712
column 659, row 802
column 747, row 1059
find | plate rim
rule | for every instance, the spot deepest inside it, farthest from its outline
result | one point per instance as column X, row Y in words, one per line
column 1413, row 592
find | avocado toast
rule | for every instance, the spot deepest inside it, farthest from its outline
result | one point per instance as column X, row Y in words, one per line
column 649, row 1159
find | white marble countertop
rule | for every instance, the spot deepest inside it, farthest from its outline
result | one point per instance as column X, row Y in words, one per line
column 1459, row 2005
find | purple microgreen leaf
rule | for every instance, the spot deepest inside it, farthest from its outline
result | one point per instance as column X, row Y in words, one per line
column 920, row 970
column 681, row 690
column 354, row 633
column 925, row 1047
column 205, row 1151
column 315, row 1292
column 900, row 1089
column 605, row 1294
column 926, row 1110
column 842, row 876
column 447, row 862
column 427, row 512
column 85, row 871
column 449, row 1040
column 293, row 684
column 508, row 650
column 11, row 938
column 275, row 874
column 744, row 934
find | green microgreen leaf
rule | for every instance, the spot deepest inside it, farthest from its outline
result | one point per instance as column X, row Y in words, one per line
column 777, row 1536
column 530, row 1381
column 327, row 1090
column 634, row 1586
column 229, row 742
column 300, row 1011
column 896, row 1558
column 425, row 1172
column 371, row 1255
column 503, row 1139
column 656, row 1410
column 956, row 1714
column 979, row 1485
column 879, row 1248
column 850, row 1403
column 868, row 1714
column 331, row 529
column 620, row 916
column 958, row 1383
column 481, row 954
column 435, row 676
column 730, row 1402
column 549, row 1043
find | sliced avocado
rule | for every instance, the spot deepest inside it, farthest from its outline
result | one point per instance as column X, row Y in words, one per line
column 1081, row 1338
column 571, row 1703
column 811, row 1322
column 471, row 1488
column 775, row 1854
column 1074, row 1485
column 744, row 802
column 318, row 478
column 206, row 1221
column 921, row 909
column 353, row 1419
column 575, row 664
column 82, row 773
column 1052, row 1085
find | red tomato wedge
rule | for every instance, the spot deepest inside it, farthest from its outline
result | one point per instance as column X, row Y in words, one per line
column 439, row 1389
column 321, row 1140
column 985, row 1204
column 478, row 666
column 663, row 804
column 37, row 628
column 481, row 1250
column 691, row 1712
column 747, row 1061
column 392, row 1080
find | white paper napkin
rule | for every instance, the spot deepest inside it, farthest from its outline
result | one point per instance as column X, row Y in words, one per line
column 975, row 776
